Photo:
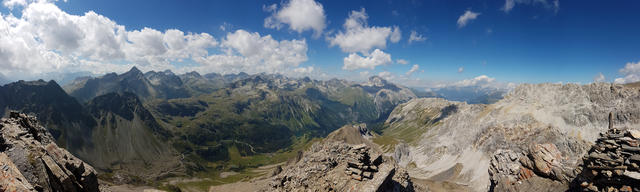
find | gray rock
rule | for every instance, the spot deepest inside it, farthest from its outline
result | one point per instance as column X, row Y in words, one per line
column 633, row 175
column 44, row 165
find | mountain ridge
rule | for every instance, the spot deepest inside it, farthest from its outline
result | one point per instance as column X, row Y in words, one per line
column 465, row 135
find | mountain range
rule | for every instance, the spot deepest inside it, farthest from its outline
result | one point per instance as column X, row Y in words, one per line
column 148, row 128
column 471, row 94
column 138, row 126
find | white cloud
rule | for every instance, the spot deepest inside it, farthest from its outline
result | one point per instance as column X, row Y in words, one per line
column 476, row 81
column 13, row 3
column 396, row 35
column 415, row 37
column 45, row 39
column 303, row 70
column 460, row 69
column 402, row 61
column 466, row 17
column 386, row 75
column 376, row 58
column 413, row 69
column 510, row 4
column 631, row 72
column 599, row 78
column 252, row 53
column 300, row 15
column 359, row 37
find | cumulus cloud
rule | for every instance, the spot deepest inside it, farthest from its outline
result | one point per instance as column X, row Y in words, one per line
column 631, row 72
column 415, row 37
column 396, row 35
column 481, row 80
column 510, row 4
column 386, row 75
column 413, row 69
column 303, row 70
column 357, row 36
column 251, row 52
column 300, row 15
column 466, row 17
column 13, row 3
column 402, row 61
column 376, row 58
column 45, row 39
column 599, row 78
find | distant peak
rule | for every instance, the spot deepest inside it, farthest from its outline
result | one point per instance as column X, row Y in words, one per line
column 194, row 73
column 377, row 81
column 135, row 70
column 168, row 72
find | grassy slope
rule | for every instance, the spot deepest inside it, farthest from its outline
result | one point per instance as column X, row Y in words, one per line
column 408, row 130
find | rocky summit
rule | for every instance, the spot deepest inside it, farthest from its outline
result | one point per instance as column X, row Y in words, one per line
column 31, row 161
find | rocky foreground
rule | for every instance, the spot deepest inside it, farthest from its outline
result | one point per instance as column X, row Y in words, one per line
column 345, row 161
column 613, row 163
column 31, row 161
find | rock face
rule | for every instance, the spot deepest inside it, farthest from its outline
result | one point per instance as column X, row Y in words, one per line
column 26, row 146
column 526, row 122
column 538, row 168
column 612, row 164
column 333, row 165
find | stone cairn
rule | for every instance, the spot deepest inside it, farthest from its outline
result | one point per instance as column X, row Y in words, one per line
column 362, row 166
column 613, row 163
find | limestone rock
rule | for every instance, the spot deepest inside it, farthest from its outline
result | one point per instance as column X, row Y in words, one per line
column 635, row 134
column 540, row 166
column 570, row 116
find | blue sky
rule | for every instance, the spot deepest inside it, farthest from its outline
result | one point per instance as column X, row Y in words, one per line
column 531, row 42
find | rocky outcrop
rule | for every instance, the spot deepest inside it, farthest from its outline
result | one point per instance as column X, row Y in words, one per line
column 542, row 165
column 26, row 146
column 612, row 164
column 337, row 166
column 333, row 165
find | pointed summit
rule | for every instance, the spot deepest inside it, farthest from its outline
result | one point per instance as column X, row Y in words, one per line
column 135, row 69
